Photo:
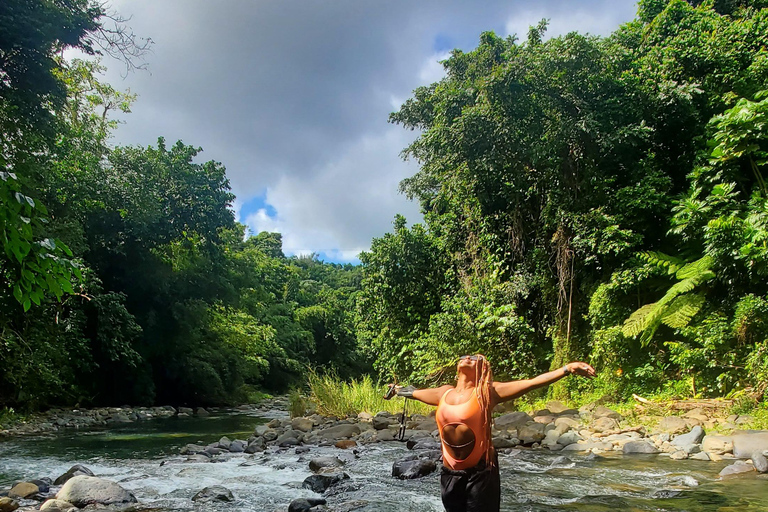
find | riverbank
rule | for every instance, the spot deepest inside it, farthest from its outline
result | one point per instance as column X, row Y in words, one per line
column 354, row 463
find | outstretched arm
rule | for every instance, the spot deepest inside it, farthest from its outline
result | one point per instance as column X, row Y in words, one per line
column 508, row 390
column 429, row 396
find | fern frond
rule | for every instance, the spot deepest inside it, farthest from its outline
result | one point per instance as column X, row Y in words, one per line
column 695, row 268
column 659, row 259
column 636, row 322
column 682, row 310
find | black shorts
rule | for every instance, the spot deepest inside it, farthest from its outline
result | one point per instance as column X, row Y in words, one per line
column 476, row 489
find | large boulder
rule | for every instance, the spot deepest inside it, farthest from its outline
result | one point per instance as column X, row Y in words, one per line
column 633, row 447
column 693, row 437
column 302, row 424
column 605, row 424
column 409, row 469
column 214, row 493
column 512, row 421
column 76, row 470
column 748, row 442
column 84, row 490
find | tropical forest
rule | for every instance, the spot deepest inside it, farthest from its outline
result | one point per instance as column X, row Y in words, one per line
column 584, row 198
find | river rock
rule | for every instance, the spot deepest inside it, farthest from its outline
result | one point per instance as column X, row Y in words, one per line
column 633, row 447
column 76, row 470
column 423, row 444
column 568, row 438
column 673, row 425
column 305, row 504
column 382, row 422
column 341, row 431
column 513, row 420
column 409, row 469
column 319, row 463
column 531, row 433
column 345, row 444
column 320, row 483
column 700, row 456
column 201, row 412
column 679, row 455
column 269, row 435
column 736, row 468
column 760, row 462
column 23, row 490
column 214, row 493
column 193, row 449
column 237, row 446
column 84, row 490
column 502, row 442
column 717, row 444
column 7, row 504
column 57, row 506
column 748, row 442
column 302, row 424
column 224, row 443
column 693, row 437
column 567, row 423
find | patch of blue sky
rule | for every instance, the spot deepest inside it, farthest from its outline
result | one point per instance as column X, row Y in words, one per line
column 255, row 204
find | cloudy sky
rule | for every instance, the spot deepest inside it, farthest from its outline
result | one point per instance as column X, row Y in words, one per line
column 293, row 97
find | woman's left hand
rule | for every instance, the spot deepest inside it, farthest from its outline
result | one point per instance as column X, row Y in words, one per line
column 583, row 369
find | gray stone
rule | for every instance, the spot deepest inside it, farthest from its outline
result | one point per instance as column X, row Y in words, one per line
column 633, row 447
column 760, row 462
column 202, row 412
column 700, row 456
column 325, row 462
column 503, row 442
column 23, row 490
column 568, row 438
column 320, row 483
column 679, row 455
column 532, row 433
column 513, row 420
column 257, row 445
column 717, row 444
column 214, row 493
column 568, row 422
column 302, row 424
column 237, row 446
column 409, row 469
column 693, row 437
column 84, row 490
column 382, row 422
column 193, row 449
column 736, row 468
column 748, row 442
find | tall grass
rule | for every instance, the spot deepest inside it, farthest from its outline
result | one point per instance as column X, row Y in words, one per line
column 334, row 397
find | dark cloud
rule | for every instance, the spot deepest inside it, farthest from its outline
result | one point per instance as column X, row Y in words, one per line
column 293, row 96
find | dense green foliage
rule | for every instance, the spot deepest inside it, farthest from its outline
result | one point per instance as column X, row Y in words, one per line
column 588, row 197
column 134, row 283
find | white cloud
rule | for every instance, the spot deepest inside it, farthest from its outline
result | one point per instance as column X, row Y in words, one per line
column 432, row 71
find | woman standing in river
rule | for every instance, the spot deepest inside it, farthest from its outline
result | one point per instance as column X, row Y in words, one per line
column 470, row 477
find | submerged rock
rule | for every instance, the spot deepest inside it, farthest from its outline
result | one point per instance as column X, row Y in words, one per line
column 320, row 483
column 305, row 504
column 736, row 468
column 409, row 469
column 214, row 493
column 325, row 462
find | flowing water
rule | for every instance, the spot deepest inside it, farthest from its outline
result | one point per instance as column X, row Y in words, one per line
column 143, row 457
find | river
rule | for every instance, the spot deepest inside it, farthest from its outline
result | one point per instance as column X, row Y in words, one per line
column 144, row 458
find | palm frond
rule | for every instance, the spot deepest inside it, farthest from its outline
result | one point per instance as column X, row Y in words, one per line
column 682, row 310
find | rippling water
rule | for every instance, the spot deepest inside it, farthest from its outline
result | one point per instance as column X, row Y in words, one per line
column 144, row 458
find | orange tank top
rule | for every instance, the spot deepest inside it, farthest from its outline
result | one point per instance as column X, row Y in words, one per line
column 470, row 414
